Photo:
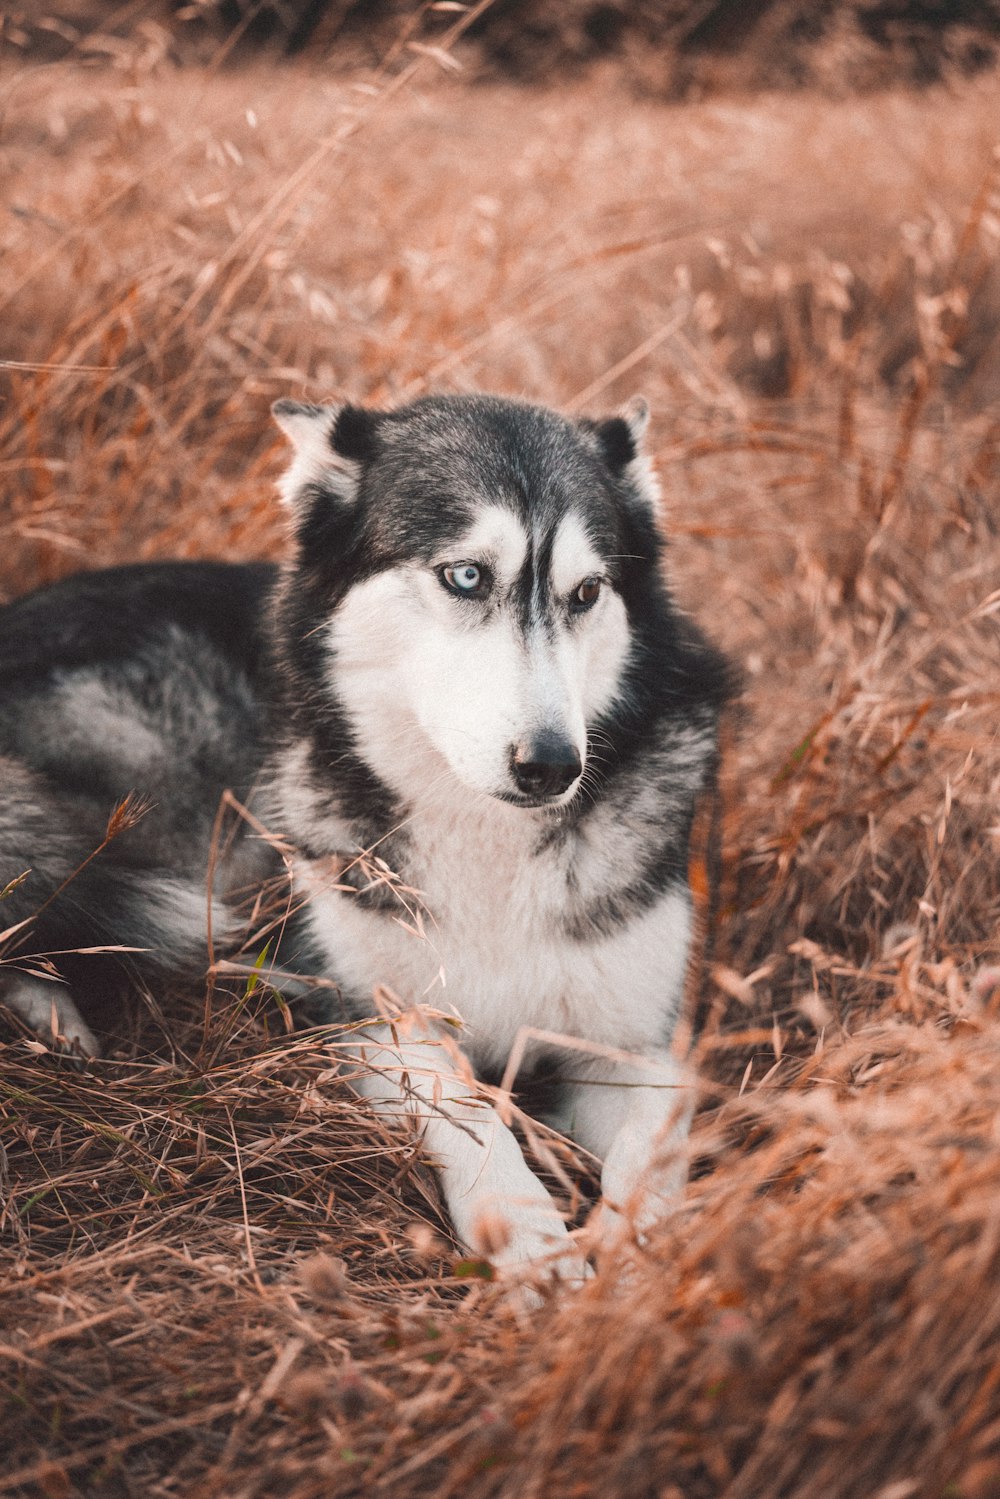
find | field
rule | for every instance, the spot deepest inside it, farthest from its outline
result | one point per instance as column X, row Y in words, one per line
column 220, row 1277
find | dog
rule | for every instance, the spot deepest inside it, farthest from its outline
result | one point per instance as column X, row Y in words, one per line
column 471, row 710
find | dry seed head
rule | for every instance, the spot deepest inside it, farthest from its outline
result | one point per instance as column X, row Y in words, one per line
column 813, row 1007
column 307, row 1395
column 901, row 937
column 129, row 811
column 325, row 1278
column 425, row 1244
column 490, row 1234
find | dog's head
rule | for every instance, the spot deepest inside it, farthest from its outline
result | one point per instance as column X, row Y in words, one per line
column 469, row 566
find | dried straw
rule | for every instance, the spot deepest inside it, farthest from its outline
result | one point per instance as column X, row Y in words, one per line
column 221, row 1276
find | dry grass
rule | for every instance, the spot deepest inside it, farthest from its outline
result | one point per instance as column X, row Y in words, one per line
column 808, row 293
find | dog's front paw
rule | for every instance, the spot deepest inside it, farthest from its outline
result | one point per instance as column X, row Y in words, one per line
column 637, row 1194
column 529, row 1248
column 49, row 1010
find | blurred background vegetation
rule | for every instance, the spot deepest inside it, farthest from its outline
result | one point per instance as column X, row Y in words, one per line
column 669, row 48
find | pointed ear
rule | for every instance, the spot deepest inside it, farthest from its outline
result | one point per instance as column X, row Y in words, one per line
column 330, row 444
column 303, row 423
column 620, row 437
column 621, row 442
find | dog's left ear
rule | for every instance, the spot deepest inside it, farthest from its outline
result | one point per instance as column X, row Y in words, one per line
column 331, row 446
column 621, row 442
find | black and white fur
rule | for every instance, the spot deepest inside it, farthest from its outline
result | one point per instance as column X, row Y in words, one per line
column 470, row 706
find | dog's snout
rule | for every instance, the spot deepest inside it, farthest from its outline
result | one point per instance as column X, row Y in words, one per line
column 546, row 766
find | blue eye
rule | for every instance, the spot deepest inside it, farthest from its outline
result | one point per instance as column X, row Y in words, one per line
column 466, row 579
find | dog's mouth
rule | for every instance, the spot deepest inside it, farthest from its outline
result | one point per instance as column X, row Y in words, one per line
column 554, row 802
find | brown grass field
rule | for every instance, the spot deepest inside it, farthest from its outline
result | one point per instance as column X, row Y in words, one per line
column 220, row 1277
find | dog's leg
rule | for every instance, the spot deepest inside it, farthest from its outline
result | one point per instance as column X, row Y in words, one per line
column 48, row 1008
column 498, row 1206
column 636, row 1116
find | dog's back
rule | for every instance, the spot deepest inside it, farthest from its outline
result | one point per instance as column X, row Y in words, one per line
column 141, row 682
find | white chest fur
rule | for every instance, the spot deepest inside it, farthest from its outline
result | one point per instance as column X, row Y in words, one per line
column 492, row 947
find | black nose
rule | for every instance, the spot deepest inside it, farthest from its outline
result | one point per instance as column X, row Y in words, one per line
column 547, row 766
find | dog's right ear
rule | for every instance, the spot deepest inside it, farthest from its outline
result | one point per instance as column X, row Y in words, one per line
column 331, row 445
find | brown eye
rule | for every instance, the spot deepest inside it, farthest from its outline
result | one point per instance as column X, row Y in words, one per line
column 586, row 595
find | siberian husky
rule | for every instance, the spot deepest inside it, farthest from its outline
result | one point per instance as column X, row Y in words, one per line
column 471, row 709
